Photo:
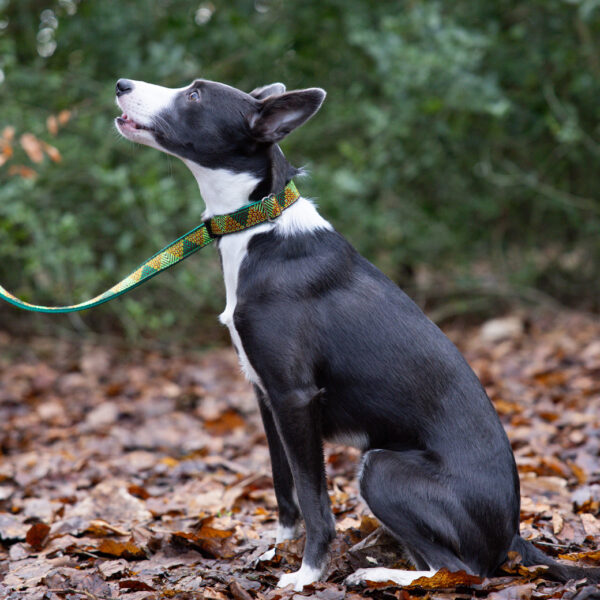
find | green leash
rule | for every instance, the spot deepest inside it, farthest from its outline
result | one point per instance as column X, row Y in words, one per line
column 267, row 209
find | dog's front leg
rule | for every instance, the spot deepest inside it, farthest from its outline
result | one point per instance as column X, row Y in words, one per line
column 297, row 417
column 283, row 481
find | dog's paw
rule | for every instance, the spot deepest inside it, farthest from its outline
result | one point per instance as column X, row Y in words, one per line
column 356, row 578
column 379, row 574
column 304, row 576
column 286, row 533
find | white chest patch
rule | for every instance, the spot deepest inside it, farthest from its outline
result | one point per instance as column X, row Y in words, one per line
column 224, row 191
column 301, row 216
column 233, row 249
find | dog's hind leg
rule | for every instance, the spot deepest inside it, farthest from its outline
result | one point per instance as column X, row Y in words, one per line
column 283, row 481
column 417, row 501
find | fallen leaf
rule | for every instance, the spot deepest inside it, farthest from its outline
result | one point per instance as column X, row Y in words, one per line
column 37, row 535
column 127, row 550
column 592, row 555
column 590, row 524
column 224, row 423
column 12, row 529
column 238, row 592
column 445, row 579
column 557, row 522
column 134, row 585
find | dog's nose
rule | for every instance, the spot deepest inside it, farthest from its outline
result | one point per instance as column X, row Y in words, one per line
column 124, row 86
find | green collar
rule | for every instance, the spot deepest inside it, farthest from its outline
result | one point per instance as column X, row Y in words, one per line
column 267, row 209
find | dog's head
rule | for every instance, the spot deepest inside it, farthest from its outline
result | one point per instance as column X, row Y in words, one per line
column 210, row 123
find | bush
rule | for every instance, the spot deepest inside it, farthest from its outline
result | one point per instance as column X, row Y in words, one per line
column 456, row 148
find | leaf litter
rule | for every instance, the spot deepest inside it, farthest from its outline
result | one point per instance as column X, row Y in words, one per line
column 144, row 474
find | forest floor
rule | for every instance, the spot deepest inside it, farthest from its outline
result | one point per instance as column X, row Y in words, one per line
column 144, row 474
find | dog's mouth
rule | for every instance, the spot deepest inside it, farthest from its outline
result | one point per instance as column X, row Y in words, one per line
column 126, row 122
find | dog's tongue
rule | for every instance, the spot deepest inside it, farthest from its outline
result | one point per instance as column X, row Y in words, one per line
column 124, row 117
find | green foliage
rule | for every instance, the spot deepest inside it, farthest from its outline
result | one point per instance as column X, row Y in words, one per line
column 457, row 147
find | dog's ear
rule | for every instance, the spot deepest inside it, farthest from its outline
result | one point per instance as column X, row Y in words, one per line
column 275, row 89
column 279, row 115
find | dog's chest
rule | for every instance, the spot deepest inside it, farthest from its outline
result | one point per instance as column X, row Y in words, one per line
column 233, row 250
column 300, row 218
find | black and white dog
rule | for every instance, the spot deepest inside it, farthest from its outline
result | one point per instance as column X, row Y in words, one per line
column 336, row 351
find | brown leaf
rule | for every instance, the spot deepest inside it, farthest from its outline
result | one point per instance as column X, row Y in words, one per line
column 22, row 171
column 551, row 378
column 8, row 134
column 134, row 585
column 100, row 528
column 127, row 550
column 557, row 522
column 52, row 124
column 445, row 579
column 6, row 153
column 52, row 152
column 591, row 525
column 592, row 555
column 209, row 540
column 213, row 594
column 224, row 423
column 64, row 116
column 33, row 147
column 238, row 592
column 37, row 535
column 138, row 491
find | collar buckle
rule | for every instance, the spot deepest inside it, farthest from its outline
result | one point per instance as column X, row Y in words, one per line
column 270, row 207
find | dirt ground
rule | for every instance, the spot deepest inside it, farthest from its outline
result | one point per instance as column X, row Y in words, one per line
column 141, row 474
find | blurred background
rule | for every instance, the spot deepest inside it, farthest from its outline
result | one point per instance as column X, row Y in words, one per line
column 458, row 149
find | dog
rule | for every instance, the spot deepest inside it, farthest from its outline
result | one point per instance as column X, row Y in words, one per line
column 336, row 351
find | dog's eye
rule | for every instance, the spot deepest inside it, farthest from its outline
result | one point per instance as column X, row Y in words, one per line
column 193, row 96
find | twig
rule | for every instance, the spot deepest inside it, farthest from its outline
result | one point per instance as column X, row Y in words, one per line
column 89, row 595
column 367, row 541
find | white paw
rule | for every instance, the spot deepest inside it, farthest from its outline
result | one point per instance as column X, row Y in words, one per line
column 355, row 578
column 380, row 574
column 285, row 533
column 305, row 576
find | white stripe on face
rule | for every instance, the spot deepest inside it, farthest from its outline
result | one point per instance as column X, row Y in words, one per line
column 146, row 101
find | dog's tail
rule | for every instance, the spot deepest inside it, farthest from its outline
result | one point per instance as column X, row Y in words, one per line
column 531, row 555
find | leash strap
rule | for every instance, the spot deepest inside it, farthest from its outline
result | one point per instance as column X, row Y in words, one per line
column 267, row 209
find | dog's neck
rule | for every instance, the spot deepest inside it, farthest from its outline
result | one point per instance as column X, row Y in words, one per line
column 224, row 191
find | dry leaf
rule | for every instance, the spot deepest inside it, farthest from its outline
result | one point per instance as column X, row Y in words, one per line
column 445, row 579
column 37, row 535
column 52, row 152
column 33, row 147
column 100, row 528
column 592, row 555
column 134, row 585
column 64, row 116
column 557, row 523
column 52, row 124
column 238, row 592
column 590, row 524
column 224, row 423
column 22, row 171
column 8, row 134
column 127, row 550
